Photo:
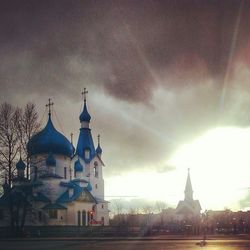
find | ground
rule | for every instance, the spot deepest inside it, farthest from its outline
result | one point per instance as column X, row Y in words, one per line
column 109, row 244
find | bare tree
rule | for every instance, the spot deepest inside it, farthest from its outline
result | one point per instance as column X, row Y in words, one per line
column 160, row 206
column 9, row 140
column 9, row 145
column 16, row 128
column 28, row 125
column 116, row 210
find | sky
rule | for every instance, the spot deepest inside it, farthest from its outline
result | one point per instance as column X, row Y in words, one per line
column 162, row 76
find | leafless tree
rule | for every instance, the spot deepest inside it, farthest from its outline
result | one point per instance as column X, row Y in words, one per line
column 9, row 140
column 28, row 125
column 160, row 206
column 148, row 211
column 16, row 128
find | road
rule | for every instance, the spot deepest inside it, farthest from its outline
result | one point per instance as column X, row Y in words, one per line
column 123, row 244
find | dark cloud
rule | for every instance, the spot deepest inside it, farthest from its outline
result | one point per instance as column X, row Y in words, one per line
column 126, row 51
column 128, row 47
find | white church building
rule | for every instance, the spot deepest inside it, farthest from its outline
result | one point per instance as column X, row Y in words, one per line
column 68, row 184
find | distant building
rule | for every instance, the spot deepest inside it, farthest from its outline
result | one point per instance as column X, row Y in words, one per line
column 188, row 207
column 67, row 183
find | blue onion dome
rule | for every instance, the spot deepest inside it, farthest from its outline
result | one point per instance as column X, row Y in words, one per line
column 98, row 149
column 20, row 165
column 49, row 140
column 51, row 161
column 89, row 187
column 85, row 116
column 78, row 166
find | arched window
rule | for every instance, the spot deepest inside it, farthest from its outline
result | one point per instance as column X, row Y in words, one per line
column 87, row 154
column 83, row 218
column 96, row 171
column 79, row 218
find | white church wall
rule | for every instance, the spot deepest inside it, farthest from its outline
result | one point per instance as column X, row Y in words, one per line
column 97, row 182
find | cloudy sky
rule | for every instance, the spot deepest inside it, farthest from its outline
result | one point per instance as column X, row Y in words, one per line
column 160, row 74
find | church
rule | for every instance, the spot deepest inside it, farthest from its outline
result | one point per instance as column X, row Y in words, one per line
column 67, row 182
column 188, row 208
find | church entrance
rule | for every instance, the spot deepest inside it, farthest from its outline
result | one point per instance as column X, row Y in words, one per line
column 79, row 218
column 84, row 218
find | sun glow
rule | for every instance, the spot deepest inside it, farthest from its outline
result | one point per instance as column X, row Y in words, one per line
column 220, row 166
column 220, row 169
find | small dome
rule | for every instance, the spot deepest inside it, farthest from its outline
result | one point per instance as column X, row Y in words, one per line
column 89, row 187
column 51, row 161
column 98, row 150
column 78, row 166
column 20, row 165
column 85, row 116
column 49, row 140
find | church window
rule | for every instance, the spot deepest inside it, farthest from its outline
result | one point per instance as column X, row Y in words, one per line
column 96, row 171
column 84, row 218
column 79, row 218
column 102, row 206
column 87, row 154
column 65, row 173
column 53, row 214
column 71, row 192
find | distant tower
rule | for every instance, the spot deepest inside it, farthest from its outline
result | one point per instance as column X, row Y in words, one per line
column 188, row 207
column 188, row 190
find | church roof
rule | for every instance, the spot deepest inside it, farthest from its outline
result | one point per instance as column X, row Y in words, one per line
column 184, row 207
column 49, row 140
column 41, row 197
column 98, row 149
column 85, row 142
column 20, row 164
column 78, row 166
column 77, row 191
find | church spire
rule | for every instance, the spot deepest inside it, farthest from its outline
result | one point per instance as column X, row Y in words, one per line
column 98, row 149
column 188, row 189
column 85, row 116
column 85, row 145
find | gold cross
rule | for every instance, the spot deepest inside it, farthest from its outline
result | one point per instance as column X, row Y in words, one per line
column 49, row 105
column 84, row 94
